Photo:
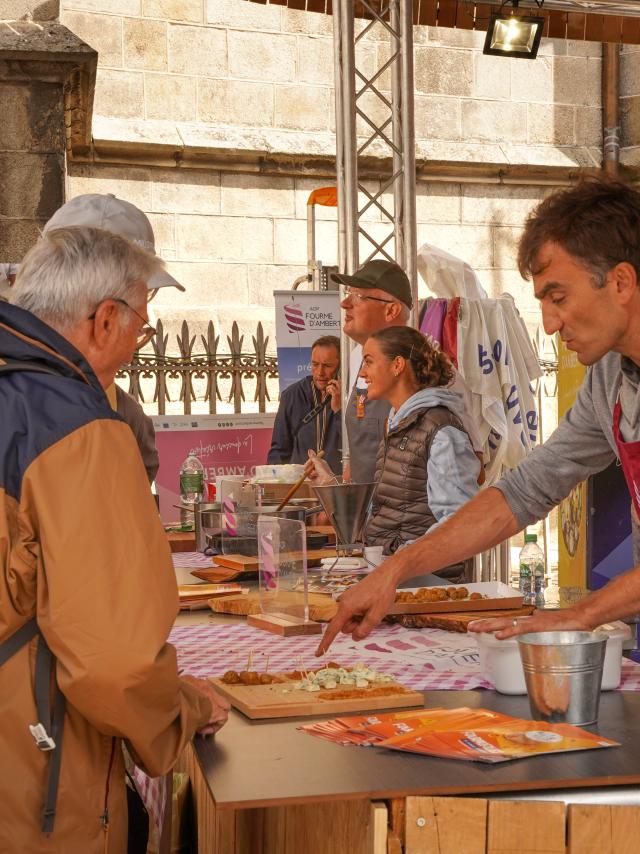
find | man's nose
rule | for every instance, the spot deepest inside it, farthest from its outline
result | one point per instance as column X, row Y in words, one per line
column 551, row 320
column 347, row 302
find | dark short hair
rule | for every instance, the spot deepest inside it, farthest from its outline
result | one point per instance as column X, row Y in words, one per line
column 327, row 341
column 430, row 365
column 597, row 223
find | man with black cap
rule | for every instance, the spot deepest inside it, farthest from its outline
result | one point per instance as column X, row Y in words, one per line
column 376, row 297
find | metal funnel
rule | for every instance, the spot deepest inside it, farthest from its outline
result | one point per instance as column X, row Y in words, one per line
column 346, row 505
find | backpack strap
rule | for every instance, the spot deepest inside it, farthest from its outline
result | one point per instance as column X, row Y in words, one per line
column 17, row 640
column 53, row 726
column 49, row 730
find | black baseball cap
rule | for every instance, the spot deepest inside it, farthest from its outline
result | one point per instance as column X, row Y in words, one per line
column 384, row 275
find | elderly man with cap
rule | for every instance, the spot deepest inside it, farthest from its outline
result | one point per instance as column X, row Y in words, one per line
column 120, row 217
column 87, row 591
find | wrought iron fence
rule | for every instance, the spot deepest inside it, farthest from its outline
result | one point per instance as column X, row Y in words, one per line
column 174, row 376
column 155, row 375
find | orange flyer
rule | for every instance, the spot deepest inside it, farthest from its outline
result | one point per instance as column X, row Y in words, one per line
column 478, row 735
column 497, row 742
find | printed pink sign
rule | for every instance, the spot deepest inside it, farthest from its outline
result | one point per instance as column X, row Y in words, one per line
column 225, row 445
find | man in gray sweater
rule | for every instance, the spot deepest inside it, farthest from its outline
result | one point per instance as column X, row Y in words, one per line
column 581, row 247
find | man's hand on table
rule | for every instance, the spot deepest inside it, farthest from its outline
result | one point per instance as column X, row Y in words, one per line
column 564, row 619
column 361, row 608
column 219, row 705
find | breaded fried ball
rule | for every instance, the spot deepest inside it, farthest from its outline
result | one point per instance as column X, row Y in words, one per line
column 249, row 677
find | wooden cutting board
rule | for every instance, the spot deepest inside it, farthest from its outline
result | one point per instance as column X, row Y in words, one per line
column 242, row 563
column 322, row 608
column 218, row 574
column 182, row 541
column 455, row 622
column 270, row 701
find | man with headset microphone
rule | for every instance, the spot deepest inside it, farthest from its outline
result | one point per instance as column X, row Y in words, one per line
column 308, row 417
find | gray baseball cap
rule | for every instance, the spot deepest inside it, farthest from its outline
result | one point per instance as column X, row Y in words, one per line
column 112, row 214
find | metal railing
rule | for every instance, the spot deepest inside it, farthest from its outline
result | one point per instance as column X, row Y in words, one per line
column 175, row 377
column 224, row 375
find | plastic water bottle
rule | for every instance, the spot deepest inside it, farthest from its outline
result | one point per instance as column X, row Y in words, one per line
column 192, row 487
column 531, row 563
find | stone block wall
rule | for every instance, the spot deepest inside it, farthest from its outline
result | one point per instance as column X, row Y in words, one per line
column 246, row 66
column 232, row 239
column 31, row 161
column 248, row 77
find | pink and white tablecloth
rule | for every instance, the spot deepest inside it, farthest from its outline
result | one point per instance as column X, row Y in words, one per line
column 192, row 560
column 422, row 659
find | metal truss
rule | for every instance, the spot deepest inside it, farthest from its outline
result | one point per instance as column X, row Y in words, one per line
column 384, row 113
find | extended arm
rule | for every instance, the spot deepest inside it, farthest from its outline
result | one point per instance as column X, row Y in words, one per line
column 620, row 598
column 483, row 522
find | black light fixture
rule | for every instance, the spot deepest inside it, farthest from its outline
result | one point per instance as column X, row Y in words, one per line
column 514, row 35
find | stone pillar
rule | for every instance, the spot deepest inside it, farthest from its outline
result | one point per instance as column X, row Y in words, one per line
column 46, row 90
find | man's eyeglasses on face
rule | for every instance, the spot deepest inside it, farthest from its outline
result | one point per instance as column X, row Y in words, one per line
column 356, row 296
column 146, row 332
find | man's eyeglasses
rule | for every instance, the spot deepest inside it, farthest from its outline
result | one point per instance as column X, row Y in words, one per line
column 146, row 332
column 356, row 296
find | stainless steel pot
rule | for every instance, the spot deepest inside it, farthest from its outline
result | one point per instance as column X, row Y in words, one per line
column 300, row 512
column 209, row 522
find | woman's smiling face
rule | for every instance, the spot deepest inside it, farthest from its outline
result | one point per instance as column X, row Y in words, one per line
column 377, row 370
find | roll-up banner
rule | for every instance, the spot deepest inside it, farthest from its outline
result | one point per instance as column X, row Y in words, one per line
column 225, row 444
column 301, row 318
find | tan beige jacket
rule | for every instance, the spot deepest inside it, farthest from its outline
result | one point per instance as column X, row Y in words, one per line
column 82, row 549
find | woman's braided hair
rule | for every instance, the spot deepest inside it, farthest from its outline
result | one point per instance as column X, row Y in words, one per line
column 430, row 365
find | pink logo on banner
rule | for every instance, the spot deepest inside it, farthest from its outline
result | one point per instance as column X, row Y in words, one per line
column 294, row 316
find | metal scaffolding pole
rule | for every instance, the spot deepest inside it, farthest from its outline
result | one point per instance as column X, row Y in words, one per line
column 373, row 119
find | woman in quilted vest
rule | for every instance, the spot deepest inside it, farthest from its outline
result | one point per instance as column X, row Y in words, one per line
column 426, row 466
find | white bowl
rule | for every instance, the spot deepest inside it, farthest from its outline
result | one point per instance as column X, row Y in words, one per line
column 501, row 664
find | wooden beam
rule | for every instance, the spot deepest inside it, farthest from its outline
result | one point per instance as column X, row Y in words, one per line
column 528, row 827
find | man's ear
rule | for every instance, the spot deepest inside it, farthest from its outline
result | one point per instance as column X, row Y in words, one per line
column 626, row 281
column 392, row 311
column 104, row 323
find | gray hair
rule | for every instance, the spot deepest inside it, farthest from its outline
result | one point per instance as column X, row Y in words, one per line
column 70, row 271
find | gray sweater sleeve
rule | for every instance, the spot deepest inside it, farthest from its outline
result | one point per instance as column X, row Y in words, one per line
column 142, row 427
column 578, row 448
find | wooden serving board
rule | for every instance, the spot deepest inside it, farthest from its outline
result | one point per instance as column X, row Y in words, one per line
column 457, row 606
column 242, row 563
column 182, row 541
column 322, row 608
column 269, row 701
column 219, row 574
column 456, row 622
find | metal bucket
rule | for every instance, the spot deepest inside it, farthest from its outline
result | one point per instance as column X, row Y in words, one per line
column 563, row 672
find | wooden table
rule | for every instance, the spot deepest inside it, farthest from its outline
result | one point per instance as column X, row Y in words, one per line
column 264, row 786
